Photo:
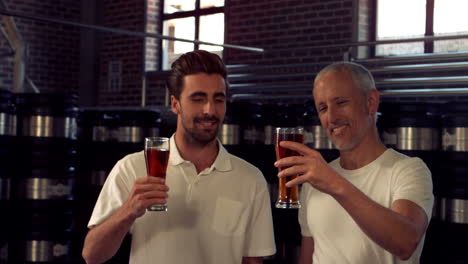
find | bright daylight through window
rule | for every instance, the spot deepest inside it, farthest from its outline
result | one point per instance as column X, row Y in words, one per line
column 194, row 20
column 402, row 19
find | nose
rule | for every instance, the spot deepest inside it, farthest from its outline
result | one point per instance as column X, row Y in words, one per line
column 332, row 114
column 209, row 108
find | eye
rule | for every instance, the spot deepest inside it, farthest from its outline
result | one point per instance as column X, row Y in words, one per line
column 342, row 102
column 219, row 100
column 321, row 109
column 197, row 99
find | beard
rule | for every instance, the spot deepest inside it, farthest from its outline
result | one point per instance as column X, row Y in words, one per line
column 200, row 136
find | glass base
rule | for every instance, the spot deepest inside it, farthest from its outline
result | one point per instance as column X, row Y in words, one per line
column 288, row 205
column 157, row 208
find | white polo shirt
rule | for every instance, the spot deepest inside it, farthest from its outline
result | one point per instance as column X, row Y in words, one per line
column 216, row 216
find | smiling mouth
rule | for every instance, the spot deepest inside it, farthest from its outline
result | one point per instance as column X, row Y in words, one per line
column 337, row 130
column 208, row 124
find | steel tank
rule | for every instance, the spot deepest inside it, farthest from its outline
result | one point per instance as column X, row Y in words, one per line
column 43, row 189
column 454, row 199
column 7, row 156
column 47, row 115
column 411, row 126
column 8, row 119
column 6, row 170
column 108, row 134
column 7, row 142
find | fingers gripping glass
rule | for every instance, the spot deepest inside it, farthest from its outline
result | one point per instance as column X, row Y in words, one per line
column 157, row 157
column 288, row 197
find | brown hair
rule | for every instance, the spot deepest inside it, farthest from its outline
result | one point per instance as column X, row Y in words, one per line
column 198, row 61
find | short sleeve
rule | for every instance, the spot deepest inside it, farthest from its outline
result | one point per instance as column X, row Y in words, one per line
column 413, row 182
column 259, row 238
column 302, row 215
column 112, row 196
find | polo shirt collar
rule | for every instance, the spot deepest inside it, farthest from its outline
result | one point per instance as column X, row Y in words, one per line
column 221, row 163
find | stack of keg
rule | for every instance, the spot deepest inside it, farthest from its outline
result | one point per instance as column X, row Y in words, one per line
column 7, row 149
column 106, row 136
column 452, row 184
column 44, row 176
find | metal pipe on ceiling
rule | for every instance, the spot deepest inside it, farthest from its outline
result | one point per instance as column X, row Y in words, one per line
column 123, row 31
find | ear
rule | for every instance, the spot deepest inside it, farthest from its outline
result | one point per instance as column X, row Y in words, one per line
column 373, row 101
column 175, row 105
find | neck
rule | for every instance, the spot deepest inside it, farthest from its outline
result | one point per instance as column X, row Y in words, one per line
column 202, row 156
column 368, row 150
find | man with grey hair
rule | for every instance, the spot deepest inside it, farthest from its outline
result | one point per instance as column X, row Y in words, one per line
column 372, row 204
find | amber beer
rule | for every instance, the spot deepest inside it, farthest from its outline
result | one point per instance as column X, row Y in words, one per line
column 156, row 162
column 287, row 197
column 157, row 158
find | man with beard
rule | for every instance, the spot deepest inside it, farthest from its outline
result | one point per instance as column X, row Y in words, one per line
column 218, row 205
column 372, row 204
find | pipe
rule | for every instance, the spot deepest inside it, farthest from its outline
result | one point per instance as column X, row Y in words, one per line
column 124, row 32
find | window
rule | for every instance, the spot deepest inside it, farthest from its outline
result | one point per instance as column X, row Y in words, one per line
column 401, row 19
column 191, row 19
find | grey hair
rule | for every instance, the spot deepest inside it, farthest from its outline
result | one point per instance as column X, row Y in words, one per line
column 361, row 76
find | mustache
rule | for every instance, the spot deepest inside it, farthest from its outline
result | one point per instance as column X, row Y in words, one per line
column 207, row 119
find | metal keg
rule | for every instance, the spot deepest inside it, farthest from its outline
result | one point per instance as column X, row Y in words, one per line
column 47, row 236
column 119, row 124
column 229, row 132
column 8, row 117
column 47, row 115
column 455, row 127
column 410, row 126
column 47, row 170
column 418, row 127
column 43, row 199
column 108, row 134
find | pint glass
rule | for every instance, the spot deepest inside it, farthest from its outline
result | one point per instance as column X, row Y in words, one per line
column 287, row 197
column 157, row 157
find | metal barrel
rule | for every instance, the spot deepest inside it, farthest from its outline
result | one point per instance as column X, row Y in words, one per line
column 43, row 186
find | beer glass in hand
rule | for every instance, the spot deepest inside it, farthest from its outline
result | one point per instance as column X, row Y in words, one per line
column 157, row 157
column 288, row 197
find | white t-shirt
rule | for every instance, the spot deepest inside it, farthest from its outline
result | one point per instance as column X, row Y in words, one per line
column 216, row 216
column 337, row 238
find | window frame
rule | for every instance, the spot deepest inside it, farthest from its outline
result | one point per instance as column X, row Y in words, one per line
column 429, row 31
column 196, row 13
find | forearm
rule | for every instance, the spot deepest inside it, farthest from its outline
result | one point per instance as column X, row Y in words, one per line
column 103, row 240
column 392, row 231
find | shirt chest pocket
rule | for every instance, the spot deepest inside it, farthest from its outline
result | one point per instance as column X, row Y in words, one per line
column 230, row 218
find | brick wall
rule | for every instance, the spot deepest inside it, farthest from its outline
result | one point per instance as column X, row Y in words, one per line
column 280, row 26
column 53, row 50
column 126, row 51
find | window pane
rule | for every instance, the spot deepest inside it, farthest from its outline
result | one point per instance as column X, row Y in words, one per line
column 450, row 19
column 396, row 22
column 212, row 30
column 180, row 28
column 211, row 3
column 172, row 6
